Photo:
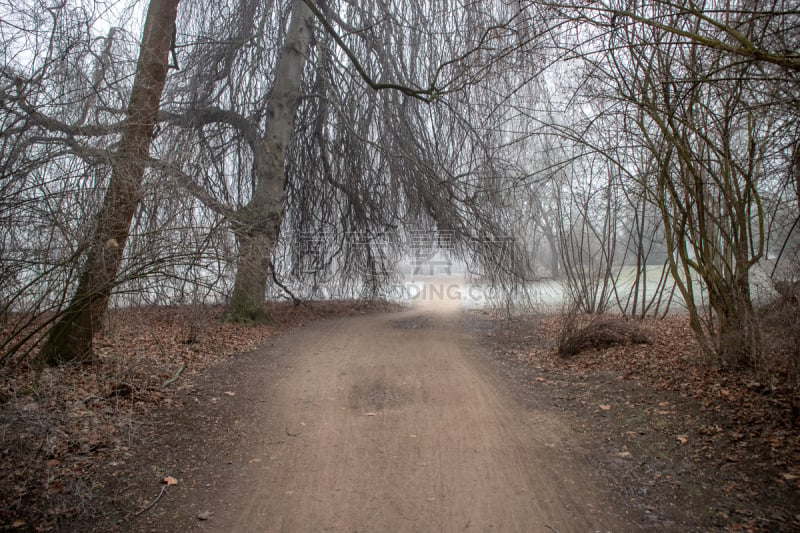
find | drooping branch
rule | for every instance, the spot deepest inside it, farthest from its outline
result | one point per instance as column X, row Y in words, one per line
column 425, row 94
column 739, row 45
column 194, row 118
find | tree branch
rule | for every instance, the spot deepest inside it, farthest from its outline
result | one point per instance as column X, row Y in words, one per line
column 426, row 95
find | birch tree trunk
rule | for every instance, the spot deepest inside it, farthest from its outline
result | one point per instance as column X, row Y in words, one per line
column 71, row 337
column 258, row 224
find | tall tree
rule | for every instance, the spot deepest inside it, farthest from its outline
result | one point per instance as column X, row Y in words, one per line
column 70, row 339
column 257, row 225
column 383, row 138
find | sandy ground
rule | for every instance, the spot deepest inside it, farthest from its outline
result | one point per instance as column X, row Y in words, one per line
column 383, row 422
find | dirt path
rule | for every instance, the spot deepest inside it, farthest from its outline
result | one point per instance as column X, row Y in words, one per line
column 385, row 423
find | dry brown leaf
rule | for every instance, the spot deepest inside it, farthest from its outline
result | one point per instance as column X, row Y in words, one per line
column 605, row 407
column 169, row 480
column 683, row 439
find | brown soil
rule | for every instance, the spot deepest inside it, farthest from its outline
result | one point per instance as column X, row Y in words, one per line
column 381, row 422
column 689, row 445
column 427, row 419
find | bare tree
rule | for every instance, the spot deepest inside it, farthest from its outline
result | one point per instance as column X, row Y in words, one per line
column 310, row 141
column 375, row 150
column 258, row 224
column 70, row 339
column 676, row 71
column 47, row 192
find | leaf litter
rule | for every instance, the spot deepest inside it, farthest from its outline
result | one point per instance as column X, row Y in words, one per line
column 693, row 446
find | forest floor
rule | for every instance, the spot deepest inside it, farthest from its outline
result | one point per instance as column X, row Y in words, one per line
column 355, row 417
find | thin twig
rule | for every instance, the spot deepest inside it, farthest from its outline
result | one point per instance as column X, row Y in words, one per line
column 551, row 527
column 163, row 490
column 174, row 378
column 160, row 346
column 295, row 299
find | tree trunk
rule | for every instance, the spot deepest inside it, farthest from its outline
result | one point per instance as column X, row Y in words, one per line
column 555, row 255
column 71, row 337
column 739, row 338
column 259, row 222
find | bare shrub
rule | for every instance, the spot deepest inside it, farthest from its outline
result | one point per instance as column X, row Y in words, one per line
column 780, row 366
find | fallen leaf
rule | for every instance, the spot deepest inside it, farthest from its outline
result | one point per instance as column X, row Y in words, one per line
column 789, row 477
column 605, row 407
column 624, row 454
column 169, row 480
column 370, row 414
column 683, row 439
column 229, row 393
column 203, row 515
